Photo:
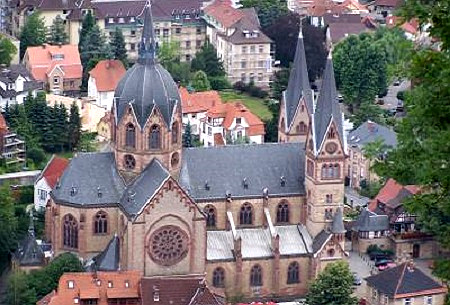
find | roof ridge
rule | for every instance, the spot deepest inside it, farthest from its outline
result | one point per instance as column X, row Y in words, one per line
column 400, row 279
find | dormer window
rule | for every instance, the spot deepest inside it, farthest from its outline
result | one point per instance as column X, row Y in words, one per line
column 110, row 284
column 110, row 20
column 132, row 19
column 121, row 20
column 127, row 284
column 70, row 284
column 238, row 120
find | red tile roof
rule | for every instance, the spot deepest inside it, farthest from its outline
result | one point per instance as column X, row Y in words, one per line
column 3, row 125
column 390, row 191
column 107, row 74
column 54, row 170
column 224, row 13
column 41, row 64
column 94, row 285
column 198, row 101
column 410, row 27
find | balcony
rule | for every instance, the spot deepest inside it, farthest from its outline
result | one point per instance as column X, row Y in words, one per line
column 410, row 235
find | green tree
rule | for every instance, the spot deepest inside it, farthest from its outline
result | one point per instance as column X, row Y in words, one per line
column 8, row 223
column 200, row 81
column 268, row 10
column 18, row 292
column 86, row 27
column 187, row 136
column 373, row 151
column 117, row 44
column 280, row 82
column 33, row 33
column 58, row 34
column 207, row 61
column 169, row 53
column 74, row 128
column 7, row 50
column 333, row 286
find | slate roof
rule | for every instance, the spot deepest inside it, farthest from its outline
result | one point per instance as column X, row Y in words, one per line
column 147, row 84
column 10, row 75
column 90, row 179
column 370, row 222
column 262, row 164
column 327, row 107
column 404, row 280
column 257, row 242
column 369, row 132
column 108, row 259
column 341, row 30
column 249, row 22
column 29, row 252
column 142, row 189
column 337, row 226
column 319, row 240
column 298, row 85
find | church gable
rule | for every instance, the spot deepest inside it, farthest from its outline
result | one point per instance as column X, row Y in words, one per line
column 332, row 146
column 300, row 120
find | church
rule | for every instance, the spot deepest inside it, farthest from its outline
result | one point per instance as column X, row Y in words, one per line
column 259, row 220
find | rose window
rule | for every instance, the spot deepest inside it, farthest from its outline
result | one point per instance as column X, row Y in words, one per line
column 129, row 162
column 168, row 245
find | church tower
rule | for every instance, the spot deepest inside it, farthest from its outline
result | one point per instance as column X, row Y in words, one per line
column 296, row 105
column 325, row 157
column 146, row 120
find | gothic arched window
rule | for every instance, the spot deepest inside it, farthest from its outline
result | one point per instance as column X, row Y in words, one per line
column 210, row 212
column 293, row 276
column 70, row 231
column 246, row 214
column 130, row 136
column 283, row 212
column 175, row 133
column 301, row 128
column 155, row 137
column 331, row 134
column 336, row 171
column 101, row 223
column 256, row 276
column 219, row 277
column 324, row 173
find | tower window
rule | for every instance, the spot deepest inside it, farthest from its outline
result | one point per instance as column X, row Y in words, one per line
column 129, row 162
column 246, row 214
column 219, row 277
column 301, row 128
column 70, row 232
column 175, row 159
column 256, row 276
column 283, row 212
column 155, row 137
column 130, row 136
column 293, row 273
column 174, row 133
column 329, row 198
column 310, row 168
column 101, row 223
column 331, row 134
column 210, row 212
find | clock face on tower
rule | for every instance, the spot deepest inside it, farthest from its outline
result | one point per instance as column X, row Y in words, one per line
column 168, row 245
column 331, row 148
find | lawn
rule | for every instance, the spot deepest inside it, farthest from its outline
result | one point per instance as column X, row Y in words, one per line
column 255, row 105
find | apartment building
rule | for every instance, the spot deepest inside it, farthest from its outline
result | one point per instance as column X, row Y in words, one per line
column 244, row 49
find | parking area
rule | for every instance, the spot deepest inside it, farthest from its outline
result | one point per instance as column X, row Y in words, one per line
column 363, row 267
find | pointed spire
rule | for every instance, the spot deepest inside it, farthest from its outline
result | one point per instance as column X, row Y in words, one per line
column 148, row 45
column 31, row 225
column 337, row 227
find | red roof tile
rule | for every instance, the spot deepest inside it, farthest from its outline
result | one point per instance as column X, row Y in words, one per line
column 224, row 13
column 54, row 170
column 198, row 101
column 390, row 191
column 107, row 74
column 3, row 125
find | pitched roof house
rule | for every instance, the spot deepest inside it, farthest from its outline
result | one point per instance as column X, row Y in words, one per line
column 48, row 179
column 15, row 84
column 103, row 80
column 57, row 67
column 404, row 285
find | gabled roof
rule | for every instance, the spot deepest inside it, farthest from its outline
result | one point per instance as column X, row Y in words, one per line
column 41, row 62
column 337, row 226
column 11, row 74
column 54, row 170
column 327, row 108
column 340, row 30
column 107, row 74
column 247, row 29
column 298, row 85
column 224, row 13
column 109, row 258
column 404, row 281
column 320, row 240
column 370, row 222
column 369, row 132
column 195, row 102
column 392, row 194
column 29, row 252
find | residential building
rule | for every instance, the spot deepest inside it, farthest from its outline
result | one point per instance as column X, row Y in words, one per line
column 103, row 80
column 194, row 106
column 231, row 123
column 358, row 165
column 58, row 68
column 11, row 146
column 370, row 229
column 104, row 127
column 385, row 8
column 340, row 26
column 410, row 28
column 48, row 180
column 244, row 49
column 261, row 221
column 405, row 284
column 15, row 85
column 319, row 8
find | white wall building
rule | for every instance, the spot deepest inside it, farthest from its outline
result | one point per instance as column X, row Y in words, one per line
column 15, row 84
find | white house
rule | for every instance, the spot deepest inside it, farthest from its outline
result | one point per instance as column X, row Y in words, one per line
column 47, row 180
column 15, row 84
column 103, row 80
column 230, row 123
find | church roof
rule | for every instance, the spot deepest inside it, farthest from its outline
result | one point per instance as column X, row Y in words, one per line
column 337, row 226
column 327, row 107
column 298, row 85
column 147, row 85
column 29, row 252
column 263, row 166
column 369, row 221
column 319, row 240
column 109, row 259
column 90, row 179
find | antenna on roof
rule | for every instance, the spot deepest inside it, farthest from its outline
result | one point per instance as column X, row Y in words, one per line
column 245, row 183
column 283, row 181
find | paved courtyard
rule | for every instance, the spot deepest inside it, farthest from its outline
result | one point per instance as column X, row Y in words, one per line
column 363, row 266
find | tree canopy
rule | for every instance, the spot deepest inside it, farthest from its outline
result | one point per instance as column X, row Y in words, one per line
column 117, row 44
column 206, row 60
column 33, row 33
column 200, row 81
column 7, row 50
column 268, row 10
column 58, row 34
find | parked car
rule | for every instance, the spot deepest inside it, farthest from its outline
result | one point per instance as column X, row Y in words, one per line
column 382, row 261
column 340, row 98
column 399, row 106
column 356, row 279
column 380, row 101
column 386, row 266
column 377, row 255
column 397, row 83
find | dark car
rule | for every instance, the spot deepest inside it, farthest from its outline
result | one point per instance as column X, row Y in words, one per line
column 378, row 255
column 399, row 106
column 356, row 279
column 397, row 83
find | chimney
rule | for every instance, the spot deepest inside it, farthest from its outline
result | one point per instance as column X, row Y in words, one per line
column 371, row 126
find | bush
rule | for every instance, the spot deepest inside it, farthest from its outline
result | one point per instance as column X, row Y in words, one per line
column 240, row 86
column 257, row 92
column 401, row 95
column 219, row 83
column 373, row 248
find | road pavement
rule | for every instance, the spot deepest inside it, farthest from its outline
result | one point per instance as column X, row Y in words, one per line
column 391, row 100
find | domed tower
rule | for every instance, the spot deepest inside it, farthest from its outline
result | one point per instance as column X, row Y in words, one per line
column 147, row 112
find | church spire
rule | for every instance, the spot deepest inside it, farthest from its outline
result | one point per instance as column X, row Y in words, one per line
column 148, row 45
column 31, row 225
column 298, row 85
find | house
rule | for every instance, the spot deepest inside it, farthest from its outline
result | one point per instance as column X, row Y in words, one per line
column 385, row 8
column 358, row 165
column 404, row 285
column 194, row 106
column 340, row 26
column 58, row 68
column 261, row 221
column 12, row 148
column 104, row 127
column 47, row 181
column 15, row 85
column 370, row 229
column 318, row 8
column 231, row 123
column 103, row 80
column 241, row 45
column 411, row 28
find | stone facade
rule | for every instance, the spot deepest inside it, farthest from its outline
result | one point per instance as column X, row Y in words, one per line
column 298, row 130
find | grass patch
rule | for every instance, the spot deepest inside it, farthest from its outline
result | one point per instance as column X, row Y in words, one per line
column 256, row 105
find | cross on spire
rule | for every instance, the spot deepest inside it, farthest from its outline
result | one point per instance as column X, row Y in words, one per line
column 148, row 45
